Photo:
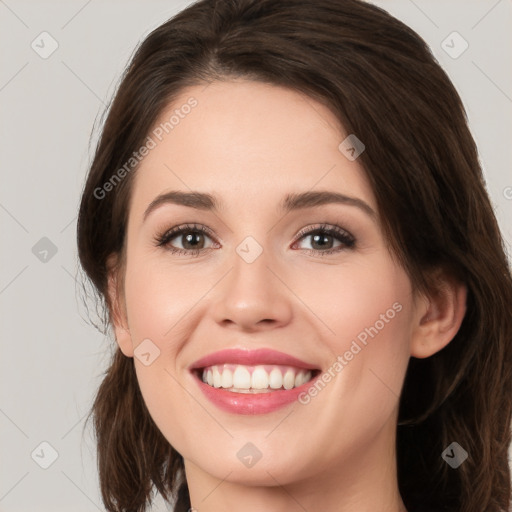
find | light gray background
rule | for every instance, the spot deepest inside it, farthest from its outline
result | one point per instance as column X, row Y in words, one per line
column 51, row 359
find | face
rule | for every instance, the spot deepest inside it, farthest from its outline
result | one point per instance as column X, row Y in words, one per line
column 302, row 293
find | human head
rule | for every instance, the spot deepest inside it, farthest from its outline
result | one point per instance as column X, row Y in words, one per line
column 421, row 164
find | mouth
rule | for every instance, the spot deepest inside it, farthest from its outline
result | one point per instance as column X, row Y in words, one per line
column 252, row 381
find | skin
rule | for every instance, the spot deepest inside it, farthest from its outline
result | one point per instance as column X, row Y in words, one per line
column 250, row 144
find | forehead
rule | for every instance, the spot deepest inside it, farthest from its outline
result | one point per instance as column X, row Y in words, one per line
column 249, row 144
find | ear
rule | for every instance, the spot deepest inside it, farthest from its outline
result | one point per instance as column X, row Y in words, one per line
column 117, row 307
column 439, row 316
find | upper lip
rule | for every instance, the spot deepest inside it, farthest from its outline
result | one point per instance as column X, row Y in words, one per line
column 250, row 357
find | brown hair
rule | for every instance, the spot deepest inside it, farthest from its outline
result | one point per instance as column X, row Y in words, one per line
column 382, row 82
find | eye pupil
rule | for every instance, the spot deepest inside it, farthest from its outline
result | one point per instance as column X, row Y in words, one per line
column 317, row 239
column 190, row 239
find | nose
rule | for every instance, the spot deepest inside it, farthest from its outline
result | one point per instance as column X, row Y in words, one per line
column 253, row 296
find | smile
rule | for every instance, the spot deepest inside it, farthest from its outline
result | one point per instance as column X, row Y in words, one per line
column 252, row 381
column 255, row 379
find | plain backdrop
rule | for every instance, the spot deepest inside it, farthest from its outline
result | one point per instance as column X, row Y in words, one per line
column 51, row 358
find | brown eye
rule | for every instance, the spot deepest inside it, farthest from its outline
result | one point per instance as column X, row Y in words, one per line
column 323, row 239
column 188, row 240
column 192, row 240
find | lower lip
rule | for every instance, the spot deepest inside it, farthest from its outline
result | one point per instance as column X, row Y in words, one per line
column 252, row 403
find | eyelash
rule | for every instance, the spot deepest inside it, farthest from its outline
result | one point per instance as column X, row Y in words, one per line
column 343, row 236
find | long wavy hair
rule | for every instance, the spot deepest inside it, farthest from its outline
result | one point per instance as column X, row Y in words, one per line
column 382, row 82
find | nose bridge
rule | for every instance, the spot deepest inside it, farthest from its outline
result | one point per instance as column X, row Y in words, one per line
column 251, row 294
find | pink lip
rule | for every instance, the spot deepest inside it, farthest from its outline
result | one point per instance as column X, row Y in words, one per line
column 246, row 403
column 250, row 357
column 261, row 403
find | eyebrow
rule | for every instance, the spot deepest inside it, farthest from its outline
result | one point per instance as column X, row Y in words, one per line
column 291, row 202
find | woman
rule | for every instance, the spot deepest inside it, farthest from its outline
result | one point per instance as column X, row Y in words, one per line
column 287, row 222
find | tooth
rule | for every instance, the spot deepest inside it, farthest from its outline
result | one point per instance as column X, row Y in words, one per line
column 289, row 379
column 217, row 379
column 275, row 379
column 227, row 378
column 241, row 378
column 259, row 379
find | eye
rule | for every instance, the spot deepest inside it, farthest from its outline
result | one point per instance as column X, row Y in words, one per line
column 191, row 237
column 323, row 239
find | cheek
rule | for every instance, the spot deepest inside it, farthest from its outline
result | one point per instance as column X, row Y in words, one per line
column 369, row 308
column 160, row 307
column 368, row 311
column 158, row 298
column 364, row 300
column 154, row 304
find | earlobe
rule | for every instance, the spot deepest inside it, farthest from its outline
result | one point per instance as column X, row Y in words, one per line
column 117, row 309
column 439, row 317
